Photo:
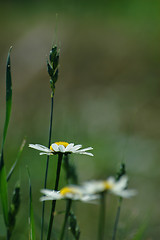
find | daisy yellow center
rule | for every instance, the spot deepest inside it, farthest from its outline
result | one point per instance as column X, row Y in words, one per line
column 107, row 185
column 66, row 190
column 65, row 144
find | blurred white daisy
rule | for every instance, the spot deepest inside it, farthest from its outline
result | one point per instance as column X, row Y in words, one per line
column 70, row 192
column 111, row 185
column 61, row 147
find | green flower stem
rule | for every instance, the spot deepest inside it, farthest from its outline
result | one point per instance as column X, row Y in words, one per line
column 47, row 164
column 102, row 216
column 8, row 234
column 66, row 165
column 117, row 219
column 60, row 156
column 68, row 207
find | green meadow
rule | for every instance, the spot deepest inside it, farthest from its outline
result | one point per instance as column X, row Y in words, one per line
column 107, row 96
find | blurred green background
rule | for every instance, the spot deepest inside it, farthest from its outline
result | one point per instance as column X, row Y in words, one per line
column 107, row 97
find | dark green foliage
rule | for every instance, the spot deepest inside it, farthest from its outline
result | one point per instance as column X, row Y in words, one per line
column 9, row 213
column 53, row 54
column 3, row 178
column 73, row 226
column 8, row 99
column 13, row 210
column 4, row 194
column 50, row 69
column 70, row 170
column 121, row 172
column 53, row 67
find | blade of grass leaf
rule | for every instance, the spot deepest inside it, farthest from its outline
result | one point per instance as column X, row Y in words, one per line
column 4, row 193
column 73, row 226
column 141, row 231
column 13, row 210
column 31, row 215
column 8, row 97
column 3, row 179
column 17, row 159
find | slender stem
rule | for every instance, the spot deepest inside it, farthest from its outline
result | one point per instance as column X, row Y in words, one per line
column 117, row 219
column 8, row 235
column 68, row 207
column 66, row 165
column 47, row 164
column 60, row 155
column 102, row 216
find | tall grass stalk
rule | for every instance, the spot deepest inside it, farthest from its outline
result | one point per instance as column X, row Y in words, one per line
column 101, row 227
column 60, row 156
column 120, row 173
column 117, row 219
column 68, row 208
column 52, row 67
column 47, row 164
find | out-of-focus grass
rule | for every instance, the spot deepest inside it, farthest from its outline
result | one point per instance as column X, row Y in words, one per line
column 107, row 97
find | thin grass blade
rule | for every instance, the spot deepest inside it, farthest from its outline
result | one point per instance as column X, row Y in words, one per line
column 13, row 210
column 140, row 233
column 8, row 96
column 4, row 192
column 3, row 178
column 73, row 226
column 31, row 215
column 17, row 159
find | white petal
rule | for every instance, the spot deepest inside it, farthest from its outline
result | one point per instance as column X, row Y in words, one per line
column 72, row 196
column 47, row 192
column 76, row 147
column 51, row 195
column 121, row 184
column 87, row 149
column 40, row 147
column 111, row 181
column 90, row 198
column 86, row 153
column 125, row 193
column 42, row 153
column 93, row 187
column 45, row 198
column 89, row 154
column 69, row 147
column 62, row 148
column 55, row 147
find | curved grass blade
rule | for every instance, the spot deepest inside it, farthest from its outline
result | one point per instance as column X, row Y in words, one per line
column 31, row 216
column 140, row 233
column 73, row 226
column 3, row 179
column 13, row 210
column 4, row 192
column 17, row 159
column 8, row 97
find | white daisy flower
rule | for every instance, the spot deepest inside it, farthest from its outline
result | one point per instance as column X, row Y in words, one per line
column 61, row 147
column 70, row 192
column 111, row 185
